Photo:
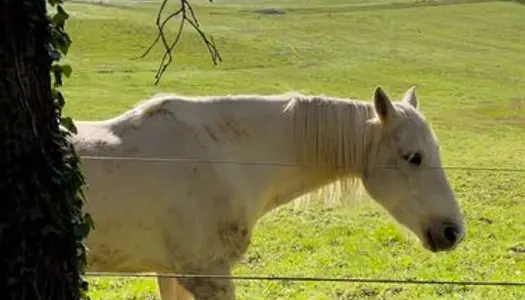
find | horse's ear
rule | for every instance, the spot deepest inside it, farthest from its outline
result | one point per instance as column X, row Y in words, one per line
column 383, row 106
column 410, row 97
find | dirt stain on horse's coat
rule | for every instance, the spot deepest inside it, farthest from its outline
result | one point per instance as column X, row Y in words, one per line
column 106, row 256
column 158, row 109
column 101, row 145
column 210, row 133
column 234, row 237
column 232, row 126
column 228, row 129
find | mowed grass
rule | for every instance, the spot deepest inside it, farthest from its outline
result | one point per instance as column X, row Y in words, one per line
column 468, row 62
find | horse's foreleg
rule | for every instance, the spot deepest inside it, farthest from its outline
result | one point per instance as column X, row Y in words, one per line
column 170, row 289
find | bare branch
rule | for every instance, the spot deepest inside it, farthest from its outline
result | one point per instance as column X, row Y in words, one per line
column 187, row 15
column 159, row 34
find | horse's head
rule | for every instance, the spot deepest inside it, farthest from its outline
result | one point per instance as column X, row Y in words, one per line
column 405, row 176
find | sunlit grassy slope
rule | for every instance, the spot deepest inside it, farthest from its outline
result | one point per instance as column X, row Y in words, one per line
column 468, row 62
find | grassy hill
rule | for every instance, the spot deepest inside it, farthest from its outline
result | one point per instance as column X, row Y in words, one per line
column 468, row 62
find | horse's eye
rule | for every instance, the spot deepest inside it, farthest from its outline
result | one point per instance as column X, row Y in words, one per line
column 413, row 158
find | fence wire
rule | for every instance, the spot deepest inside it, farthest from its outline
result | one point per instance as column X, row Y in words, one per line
column 309, row 279
column 277, row 164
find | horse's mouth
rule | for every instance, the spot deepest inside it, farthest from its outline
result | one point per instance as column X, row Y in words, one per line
column 429, row 242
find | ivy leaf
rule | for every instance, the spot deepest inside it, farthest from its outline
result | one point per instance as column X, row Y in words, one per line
column 59, row 98
column 58, row 71
column 60, row 17
column 66, row 70
column 54, row 55
column 88, row 221
column 67, row 122
column 65, row 43
column 57, row 74
column 60, row 39
column 81, row 230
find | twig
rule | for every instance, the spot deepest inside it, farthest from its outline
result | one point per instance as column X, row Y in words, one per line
column 158, row 35
column 187, row 15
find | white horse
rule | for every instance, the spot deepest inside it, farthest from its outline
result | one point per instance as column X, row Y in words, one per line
column 236, row 158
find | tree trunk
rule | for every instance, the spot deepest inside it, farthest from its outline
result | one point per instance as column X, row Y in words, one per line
column 38, row 245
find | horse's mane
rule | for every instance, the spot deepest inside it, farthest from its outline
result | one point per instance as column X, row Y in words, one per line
column 335, row 133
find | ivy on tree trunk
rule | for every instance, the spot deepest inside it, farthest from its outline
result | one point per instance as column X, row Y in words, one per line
column 42, row 228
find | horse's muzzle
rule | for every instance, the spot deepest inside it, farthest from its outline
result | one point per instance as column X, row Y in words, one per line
column 443, row 236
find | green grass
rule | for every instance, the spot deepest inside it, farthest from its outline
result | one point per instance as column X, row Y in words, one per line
column 468, row 63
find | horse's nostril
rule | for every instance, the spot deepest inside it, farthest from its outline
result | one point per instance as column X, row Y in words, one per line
column 444, row 236
column 451, row 233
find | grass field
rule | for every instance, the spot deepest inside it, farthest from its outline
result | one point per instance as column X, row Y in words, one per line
column 468, row 61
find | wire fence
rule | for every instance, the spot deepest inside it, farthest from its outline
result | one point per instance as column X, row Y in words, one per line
column 310, row 279
column 286, row 165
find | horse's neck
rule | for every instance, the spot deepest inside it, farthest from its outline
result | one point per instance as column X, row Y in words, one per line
column 329, row 143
